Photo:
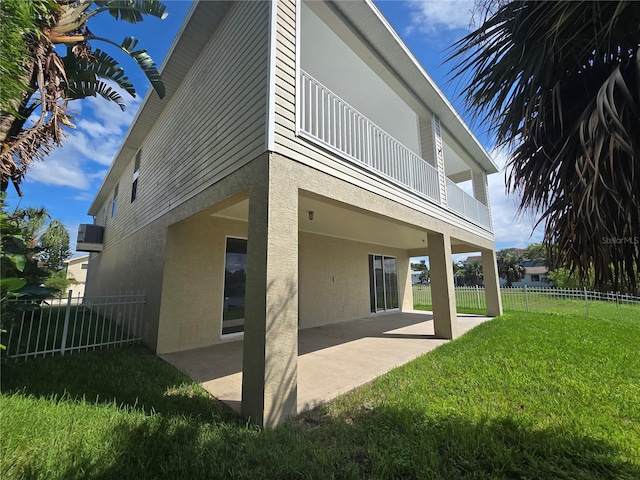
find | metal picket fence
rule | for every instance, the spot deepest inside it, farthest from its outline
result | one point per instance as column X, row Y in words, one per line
column 72, row 324
column 532, row 299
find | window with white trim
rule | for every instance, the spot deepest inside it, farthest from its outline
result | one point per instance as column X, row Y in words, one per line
column 136, row 174
column 114, row 202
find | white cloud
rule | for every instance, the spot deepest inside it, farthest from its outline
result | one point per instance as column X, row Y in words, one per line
column 95, row 140
column 509, row 228
column 84, row 197
column 433, row 16
column 59, row 170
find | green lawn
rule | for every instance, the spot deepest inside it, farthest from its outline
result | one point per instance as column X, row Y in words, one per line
column 472, row 301
column 522, row 396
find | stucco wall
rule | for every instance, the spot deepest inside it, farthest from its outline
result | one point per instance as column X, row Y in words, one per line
column 191, row 309
column 136, row 262
column 334, row 278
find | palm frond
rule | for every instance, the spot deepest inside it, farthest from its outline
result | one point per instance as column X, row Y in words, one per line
column 132, row 11
column 142, row 58
column 102, row 65
column 145, row 62
column 91, row 88
column 559, row 84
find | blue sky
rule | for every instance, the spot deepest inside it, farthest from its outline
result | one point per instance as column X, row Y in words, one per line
column 66, row 182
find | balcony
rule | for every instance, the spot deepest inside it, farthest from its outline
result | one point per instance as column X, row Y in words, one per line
column 464, row 204
column 340, row 128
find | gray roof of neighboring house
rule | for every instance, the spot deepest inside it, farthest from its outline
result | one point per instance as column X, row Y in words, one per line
column 536, row 270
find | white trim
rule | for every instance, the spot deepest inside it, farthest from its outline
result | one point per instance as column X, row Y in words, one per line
column 298, row 65
column 229, row 336
column 271, row 77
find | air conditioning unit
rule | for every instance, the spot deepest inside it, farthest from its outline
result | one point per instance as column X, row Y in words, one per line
column 89, row 238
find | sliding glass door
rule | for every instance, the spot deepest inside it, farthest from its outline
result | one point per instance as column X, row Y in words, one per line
column 383, row 283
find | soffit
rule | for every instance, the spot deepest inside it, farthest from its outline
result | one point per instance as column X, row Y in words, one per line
column 334, row 219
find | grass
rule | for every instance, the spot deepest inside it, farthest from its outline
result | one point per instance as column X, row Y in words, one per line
column 516, row 300
column 522, row 396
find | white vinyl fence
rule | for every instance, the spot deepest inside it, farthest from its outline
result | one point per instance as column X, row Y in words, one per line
column 532, row 299
column 72, row 324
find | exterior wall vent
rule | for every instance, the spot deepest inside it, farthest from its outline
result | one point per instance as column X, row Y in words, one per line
column 90, row 238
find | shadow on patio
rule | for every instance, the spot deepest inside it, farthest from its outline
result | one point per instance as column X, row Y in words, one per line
column 332, row 359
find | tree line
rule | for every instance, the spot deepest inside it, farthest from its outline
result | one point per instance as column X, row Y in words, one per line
column 511, row 268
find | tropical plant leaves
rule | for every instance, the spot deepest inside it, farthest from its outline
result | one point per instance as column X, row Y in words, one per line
column 100, row 65
column 145, row 62
column 558, row 84
column 132, row 11
column 89, row 88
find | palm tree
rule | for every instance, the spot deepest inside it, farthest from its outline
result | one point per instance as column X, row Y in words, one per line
column 54, row 243
column 557, row 83
column 472, row 273
column 33, row 221
column 510, row 266
column 49, row 81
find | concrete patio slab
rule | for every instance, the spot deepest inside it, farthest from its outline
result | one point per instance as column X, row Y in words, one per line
column 332, row 359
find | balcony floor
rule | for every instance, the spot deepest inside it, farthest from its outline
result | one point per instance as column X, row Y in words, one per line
column 332, row 359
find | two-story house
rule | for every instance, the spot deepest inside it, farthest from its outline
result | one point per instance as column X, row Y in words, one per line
column 300, row 157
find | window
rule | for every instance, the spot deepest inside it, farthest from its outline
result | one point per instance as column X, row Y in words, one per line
column 136, row 174
column 383, row 283
column 114, row 203
column 535, row 278
column 235, row 278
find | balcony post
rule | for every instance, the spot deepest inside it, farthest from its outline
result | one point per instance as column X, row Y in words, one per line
column 438, row 147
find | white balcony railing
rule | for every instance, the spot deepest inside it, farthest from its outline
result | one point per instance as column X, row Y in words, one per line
column 464, row 204
column 333, row 122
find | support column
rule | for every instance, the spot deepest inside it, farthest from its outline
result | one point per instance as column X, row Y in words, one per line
column 491, row 283
column 443, row 294
column 406, row 286
column 270, row 350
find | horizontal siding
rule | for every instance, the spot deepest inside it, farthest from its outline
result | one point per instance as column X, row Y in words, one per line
column 306, row 152
column 214, row 124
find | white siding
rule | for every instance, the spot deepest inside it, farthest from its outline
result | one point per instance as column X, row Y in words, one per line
column 214, row 124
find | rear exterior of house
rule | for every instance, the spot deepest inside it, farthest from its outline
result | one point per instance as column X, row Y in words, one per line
column 300, row 157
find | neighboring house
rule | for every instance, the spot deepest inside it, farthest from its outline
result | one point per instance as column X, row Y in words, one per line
column 77, row 270
column 536, row 275
column 415, row 276
column 300, row 158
